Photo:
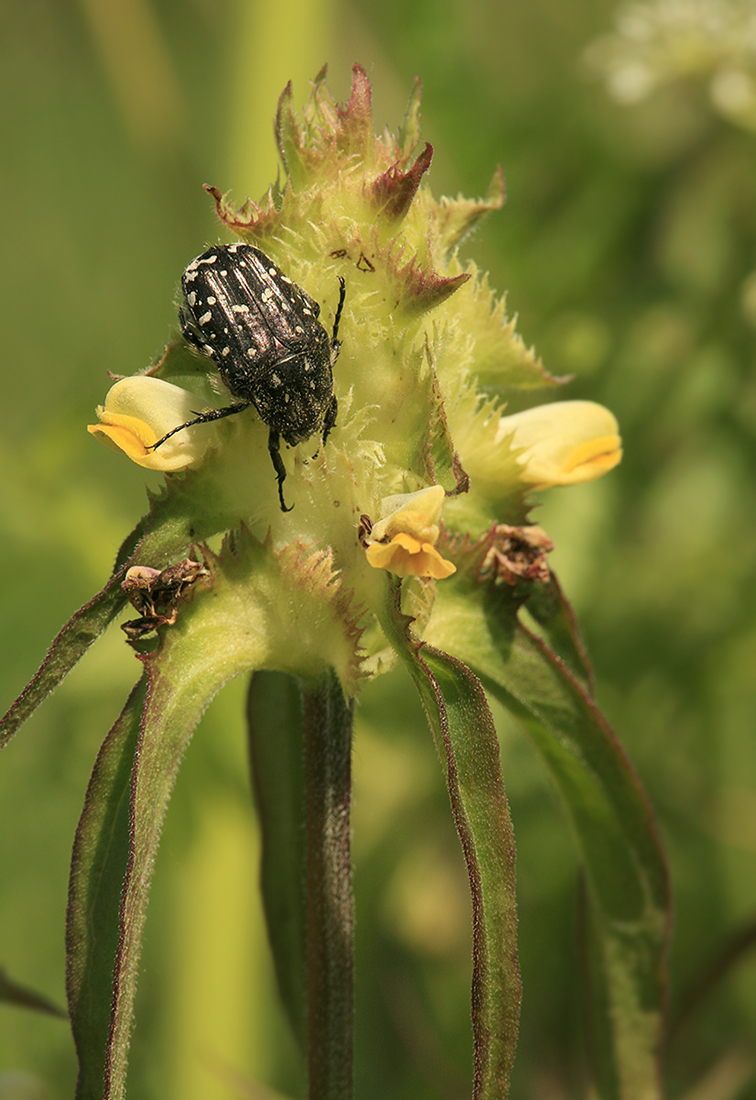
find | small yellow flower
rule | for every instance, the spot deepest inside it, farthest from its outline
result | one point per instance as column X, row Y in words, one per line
column 139, row 411
column 403, row 539
column 563, row 443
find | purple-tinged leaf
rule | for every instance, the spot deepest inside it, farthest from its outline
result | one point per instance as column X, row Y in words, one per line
column 276, row 749
column 300, row 745
column 463, row 728
column 613, row 821
column 553, row 613
column 232, row 625
column 178, row 692
column 100, row 862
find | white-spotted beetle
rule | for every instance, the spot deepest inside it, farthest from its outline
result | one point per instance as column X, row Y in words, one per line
column 262, row 333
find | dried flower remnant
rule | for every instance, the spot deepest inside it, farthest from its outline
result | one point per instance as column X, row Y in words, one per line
column 517, row 554
column 156, row 594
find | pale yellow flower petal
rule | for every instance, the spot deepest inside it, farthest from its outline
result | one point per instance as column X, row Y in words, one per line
column 418, row 513
column 141, row 410
column 563, row 443
column 408, row 557
column 404, row 537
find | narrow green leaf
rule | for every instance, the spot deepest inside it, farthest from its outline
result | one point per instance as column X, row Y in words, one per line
column 81, row 630
column 179, row 689
column 300, row 746
column 230, row 625
column 276, row 747
column 328, row 883
column 98, row 869
column 87, row 624
column 11, row 993
column 623, row 857
column 117, row 842
column 734, row 951
column 613, row 822
column 161, row 537
column 463, row 728
column 553, row 613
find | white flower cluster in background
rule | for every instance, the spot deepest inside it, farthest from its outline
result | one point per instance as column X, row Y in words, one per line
column 656, row 43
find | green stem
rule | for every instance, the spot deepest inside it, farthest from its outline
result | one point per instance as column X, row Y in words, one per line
column 328, row 885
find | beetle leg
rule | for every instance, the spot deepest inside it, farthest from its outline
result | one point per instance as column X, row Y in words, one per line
column 278, row 466
column 335, row 342
column 202, row 418
column 330, row 418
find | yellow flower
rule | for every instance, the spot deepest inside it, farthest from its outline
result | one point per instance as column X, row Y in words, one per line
column 563, row 443
column 139, row 411
column 403, row 539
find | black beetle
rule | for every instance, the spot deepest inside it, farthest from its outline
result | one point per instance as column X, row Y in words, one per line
column 262, row 333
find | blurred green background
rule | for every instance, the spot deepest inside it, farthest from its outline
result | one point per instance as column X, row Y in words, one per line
column 628, row 249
